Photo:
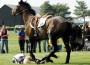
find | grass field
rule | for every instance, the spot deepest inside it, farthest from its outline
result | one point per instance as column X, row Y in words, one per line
column 77, row 58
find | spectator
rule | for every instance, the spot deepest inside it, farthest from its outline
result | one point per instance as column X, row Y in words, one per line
column 39, row 46
column 36, row 42
column 27, row 44
column 86, row 27
column 21, row 36
column 0, row 40
column 44, row 45
column 4, row 38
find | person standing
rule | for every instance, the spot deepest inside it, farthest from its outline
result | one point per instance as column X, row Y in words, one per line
column 21, row 36
column 27, row 44
column 0, row 40
column 44, row 45
column 4, row 38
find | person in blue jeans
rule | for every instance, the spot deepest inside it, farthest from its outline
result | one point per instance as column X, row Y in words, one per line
column 44, row 45
column 4, row 39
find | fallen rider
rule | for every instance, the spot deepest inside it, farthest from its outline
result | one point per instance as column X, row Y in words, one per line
column 21, row 58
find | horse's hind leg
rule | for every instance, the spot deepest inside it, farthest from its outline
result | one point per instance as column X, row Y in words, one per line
column 54, row 43
column 68, row 48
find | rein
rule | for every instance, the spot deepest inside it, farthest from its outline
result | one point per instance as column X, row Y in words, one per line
column 30, row 23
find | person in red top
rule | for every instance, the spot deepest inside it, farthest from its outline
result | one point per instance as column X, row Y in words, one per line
column 21, row 37
column 4, row 38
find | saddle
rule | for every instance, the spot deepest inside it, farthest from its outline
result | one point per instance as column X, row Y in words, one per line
column 39, row 21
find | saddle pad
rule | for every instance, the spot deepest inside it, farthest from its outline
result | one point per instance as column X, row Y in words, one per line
column 41, row 22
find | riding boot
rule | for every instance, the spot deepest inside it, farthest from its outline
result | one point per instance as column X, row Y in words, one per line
column 32, row 55
column 49, row 60
column 55, row 56
column 46, row 59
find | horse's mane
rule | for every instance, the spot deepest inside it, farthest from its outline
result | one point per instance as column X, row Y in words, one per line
column 28, row 6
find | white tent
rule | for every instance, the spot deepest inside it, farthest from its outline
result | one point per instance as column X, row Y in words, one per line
column 87, row 19
column 78, row 21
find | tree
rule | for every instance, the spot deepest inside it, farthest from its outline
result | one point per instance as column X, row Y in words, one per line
column 55, row 10
column 61, row 9
column 81, row 9
column 88, row 12
column 46, row 8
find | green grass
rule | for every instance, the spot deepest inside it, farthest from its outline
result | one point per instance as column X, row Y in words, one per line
column 77, row 58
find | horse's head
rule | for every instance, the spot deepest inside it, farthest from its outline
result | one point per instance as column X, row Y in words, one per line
column 22, row 7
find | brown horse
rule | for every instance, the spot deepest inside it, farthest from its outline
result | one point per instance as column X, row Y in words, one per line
column 54, row 28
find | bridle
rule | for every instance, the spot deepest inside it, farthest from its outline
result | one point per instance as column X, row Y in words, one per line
column 30, row 23
column 31, row 17
column 22, row 11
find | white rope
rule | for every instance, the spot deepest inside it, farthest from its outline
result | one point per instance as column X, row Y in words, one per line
column 31, row 25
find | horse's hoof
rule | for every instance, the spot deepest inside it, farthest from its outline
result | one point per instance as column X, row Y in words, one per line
column 66, row 62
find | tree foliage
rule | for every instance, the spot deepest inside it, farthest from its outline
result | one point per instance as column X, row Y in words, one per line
column 61, row 9
column 88, row 12
column 80, row 9
column 55, row 10
column 46, row 8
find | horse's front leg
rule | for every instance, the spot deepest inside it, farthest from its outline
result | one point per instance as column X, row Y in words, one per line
column 32, row 42
column 52, row 53
column 68, row 48
column 31, row 49
column 32, row 55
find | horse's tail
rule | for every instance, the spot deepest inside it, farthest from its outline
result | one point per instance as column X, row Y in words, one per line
column 76, row 37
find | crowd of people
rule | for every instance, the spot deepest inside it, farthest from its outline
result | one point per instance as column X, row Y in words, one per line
column 23, row 41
